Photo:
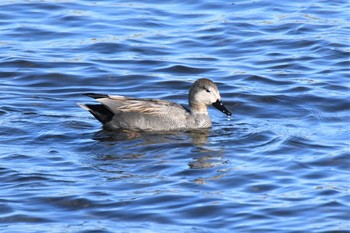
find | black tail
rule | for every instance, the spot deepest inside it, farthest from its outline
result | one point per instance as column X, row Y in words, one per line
column 96, row 96
column 100, row 112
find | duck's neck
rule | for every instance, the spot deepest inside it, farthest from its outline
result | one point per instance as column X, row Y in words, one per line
column 199, row 108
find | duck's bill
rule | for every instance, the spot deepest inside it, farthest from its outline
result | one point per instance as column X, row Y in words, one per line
column 218, row 104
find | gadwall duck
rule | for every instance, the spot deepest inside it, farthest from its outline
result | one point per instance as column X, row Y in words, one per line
column 119, row 112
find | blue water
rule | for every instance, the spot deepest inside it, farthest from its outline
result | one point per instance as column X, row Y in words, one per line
column 279, row 164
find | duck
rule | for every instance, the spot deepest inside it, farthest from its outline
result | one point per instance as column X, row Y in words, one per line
column 141, row 114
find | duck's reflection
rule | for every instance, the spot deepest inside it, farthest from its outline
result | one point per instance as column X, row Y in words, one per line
column 191, row 147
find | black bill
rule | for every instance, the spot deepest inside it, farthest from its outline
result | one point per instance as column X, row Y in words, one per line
column 218, row 104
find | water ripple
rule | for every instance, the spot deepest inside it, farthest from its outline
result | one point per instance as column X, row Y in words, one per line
column 279, row 164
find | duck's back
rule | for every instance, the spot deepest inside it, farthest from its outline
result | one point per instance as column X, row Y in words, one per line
column 144, row 114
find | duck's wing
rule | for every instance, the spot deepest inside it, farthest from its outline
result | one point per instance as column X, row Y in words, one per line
column 122, row 104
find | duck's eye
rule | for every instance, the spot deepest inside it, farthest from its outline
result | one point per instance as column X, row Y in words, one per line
column 207, row 90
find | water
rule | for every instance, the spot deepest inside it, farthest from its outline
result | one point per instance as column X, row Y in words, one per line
column 280, row 164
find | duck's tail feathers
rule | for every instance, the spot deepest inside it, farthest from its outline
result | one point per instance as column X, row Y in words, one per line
column 99, row 111
column 96, row 96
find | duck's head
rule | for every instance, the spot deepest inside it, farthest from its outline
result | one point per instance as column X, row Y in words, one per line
column 204, row 93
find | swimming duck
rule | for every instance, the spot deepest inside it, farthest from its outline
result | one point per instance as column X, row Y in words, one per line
column 120, row 112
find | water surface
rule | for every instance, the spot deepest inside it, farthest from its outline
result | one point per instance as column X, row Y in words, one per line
column 279, row 164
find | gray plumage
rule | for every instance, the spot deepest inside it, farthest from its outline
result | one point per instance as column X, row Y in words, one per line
column 119, row 112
